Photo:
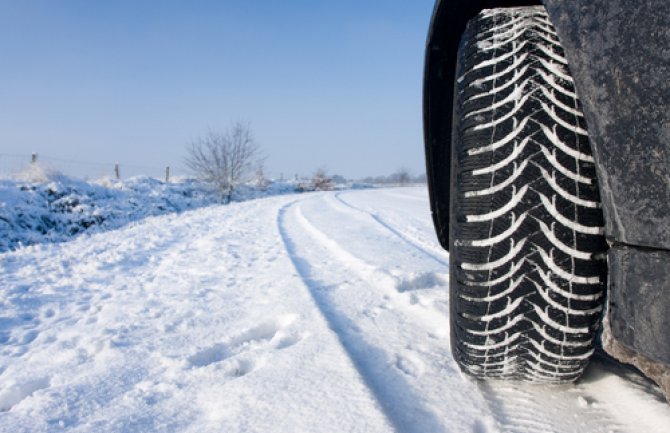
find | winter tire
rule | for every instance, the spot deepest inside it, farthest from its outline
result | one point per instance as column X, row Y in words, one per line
column 526, row 236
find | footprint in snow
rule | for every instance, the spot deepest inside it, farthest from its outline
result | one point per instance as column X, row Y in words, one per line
column 29, row 337
column 410, row 364
column 421, row 281
column 244, row 352
column 14, row 394
column 288, row 341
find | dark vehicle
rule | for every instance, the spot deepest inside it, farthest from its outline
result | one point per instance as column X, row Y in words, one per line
column 547, row 138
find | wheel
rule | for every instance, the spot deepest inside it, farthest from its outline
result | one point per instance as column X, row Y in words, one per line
column 527, row 258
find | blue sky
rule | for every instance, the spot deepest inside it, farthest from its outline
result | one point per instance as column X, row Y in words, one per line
column 323, row 84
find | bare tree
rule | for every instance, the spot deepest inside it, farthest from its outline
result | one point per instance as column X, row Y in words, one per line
column 401, row 176
column 225, row 159
column 260, row 180
column 321, row 181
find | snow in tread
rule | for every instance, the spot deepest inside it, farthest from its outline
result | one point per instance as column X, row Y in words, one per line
column 529, row 224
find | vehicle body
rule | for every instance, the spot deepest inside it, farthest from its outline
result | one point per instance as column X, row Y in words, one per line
column 618, row 52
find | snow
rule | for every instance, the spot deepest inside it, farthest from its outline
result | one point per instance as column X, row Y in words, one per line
column 318, row 312
column 40, row 206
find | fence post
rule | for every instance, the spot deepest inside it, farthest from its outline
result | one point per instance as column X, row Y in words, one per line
column 116, row 170
column 33, row 158
column 167, row 174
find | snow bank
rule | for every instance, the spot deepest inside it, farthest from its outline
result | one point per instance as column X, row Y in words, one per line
column 40, row 206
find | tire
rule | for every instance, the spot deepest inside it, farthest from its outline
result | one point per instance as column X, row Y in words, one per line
column 527, row 258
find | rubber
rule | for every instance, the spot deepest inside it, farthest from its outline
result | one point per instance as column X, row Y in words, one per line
column 527, row 251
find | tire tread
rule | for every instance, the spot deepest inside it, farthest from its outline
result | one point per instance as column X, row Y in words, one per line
column 526, row 234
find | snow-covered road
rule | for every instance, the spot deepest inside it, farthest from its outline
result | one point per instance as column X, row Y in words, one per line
column 323, row 312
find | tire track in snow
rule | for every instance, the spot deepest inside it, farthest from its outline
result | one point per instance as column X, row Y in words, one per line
column 402, row 412
column 524, row 407
column 368, row 273
column 364, row 308
column 409, row 239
